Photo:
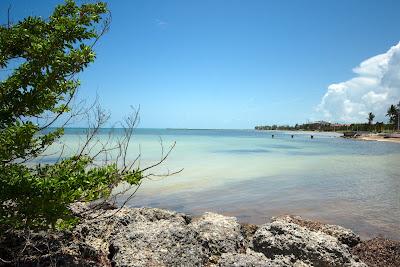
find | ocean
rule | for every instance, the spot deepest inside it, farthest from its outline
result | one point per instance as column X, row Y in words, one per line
column 250, row 175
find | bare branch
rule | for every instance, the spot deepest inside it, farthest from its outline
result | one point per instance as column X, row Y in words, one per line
column 126, row 200
column 162, row 159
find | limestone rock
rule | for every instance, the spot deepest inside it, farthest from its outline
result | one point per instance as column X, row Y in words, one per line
column 218, row 233
column 248, row 231
column 148, row 237
column 255, row 259
column 344, row 235
column 319, row 249
column 106, row 236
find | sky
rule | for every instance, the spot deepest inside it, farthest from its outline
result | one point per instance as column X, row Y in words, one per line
column 237, row 64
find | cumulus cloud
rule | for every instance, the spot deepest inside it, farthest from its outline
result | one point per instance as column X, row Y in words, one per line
column 374, row 88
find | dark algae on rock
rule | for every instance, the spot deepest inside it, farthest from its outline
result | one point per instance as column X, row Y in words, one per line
column 379, row 252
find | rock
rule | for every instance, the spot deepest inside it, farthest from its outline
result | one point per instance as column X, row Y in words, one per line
column 28, row 248
column 344, row 235
column 79, row 208
column 107, row 236
column 218, row 233
column 255, row 259
column 157, row 243
column 248, row 231
column 319, row 249
column 146, row 237
column 379, row 251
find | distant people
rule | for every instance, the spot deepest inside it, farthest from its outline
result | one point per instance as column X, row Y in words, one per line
column 292, row 135
column 312, row 136
column 272, row 136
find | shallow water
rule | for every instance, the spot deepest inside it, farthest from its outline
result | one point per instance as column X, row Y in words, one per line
column 253, row 176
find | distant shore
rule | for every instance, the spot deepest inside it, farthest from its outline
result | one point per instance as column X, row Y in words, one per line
column 379, row 138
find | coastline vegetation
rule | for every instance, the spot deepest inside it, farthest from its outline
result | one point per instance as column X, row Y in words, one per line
column 393, row 124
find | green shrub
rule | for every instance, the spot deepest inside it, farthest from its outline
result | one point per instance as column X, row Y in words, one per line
column 44, row 56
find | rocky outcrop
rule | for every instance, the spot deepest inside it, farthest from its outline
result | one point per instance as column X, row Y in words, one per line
column 255, row 259
column 156, row 237
column 156, row 243
column 344, row 235
column 219, row 234
column 26, row 249
column 289, row 239
column 145, row 237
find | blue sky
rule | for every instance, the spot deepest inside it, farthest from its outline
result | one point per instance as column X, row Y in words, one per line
column 232, row 64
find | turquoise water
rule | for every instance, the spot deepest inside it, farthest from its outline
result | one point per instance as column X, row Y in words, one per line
column 253, row 176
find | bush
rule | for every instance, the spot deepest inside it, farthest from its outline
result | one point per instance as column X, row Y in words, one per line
column 45, row 55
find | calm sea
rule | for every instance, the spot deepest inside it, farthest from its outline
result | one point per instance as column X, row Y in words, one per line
column 249, row 174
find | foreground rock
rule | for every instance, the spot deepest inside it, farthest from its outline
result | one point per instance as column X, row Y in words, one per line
column 219, row 234
column 252, row 258
column 344, row 235
column 156, row 237
column 22, row 248
column 290, row 239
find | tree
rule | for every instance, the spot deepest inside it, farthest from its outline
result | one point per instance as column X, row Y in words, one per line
column 42, row 58
column 371, row 117
column 393, row 113
column 379, row 126
column 398, row 116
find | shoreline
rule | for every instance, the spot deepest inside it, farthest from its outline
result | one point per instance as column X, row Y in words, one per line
column 375, row 137
column 378, row 138
column 159, row 237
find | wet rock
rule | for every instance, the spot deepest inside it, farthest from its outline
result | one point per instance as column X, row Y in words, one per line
column 289, row 239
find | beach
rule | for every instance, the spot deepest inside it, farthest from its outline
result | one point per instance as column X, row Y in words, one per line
column 379, row 138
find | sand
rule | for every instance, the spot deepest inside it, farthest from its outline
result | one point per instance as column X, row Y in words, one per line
column 379, row 138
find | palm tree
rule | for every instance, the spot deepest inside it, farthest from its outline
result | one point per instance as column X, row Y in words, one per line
column 392, row 114
column 398, row 116
column 370, row 118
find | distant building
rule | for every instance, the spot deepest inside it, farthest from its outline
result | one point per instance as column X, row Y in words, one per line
column 322, row 123
column 340, row 125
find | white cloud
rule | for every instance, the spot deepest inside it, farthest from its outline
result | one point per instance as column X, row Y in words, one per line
column 374, row 89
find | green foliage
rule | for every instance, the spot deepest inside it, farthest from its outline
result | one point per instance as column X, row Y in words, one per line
column 44, row 55
column 328, row 127
column 370, row 118
column 393, row 113
column 50, row 53
column 40, row 196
